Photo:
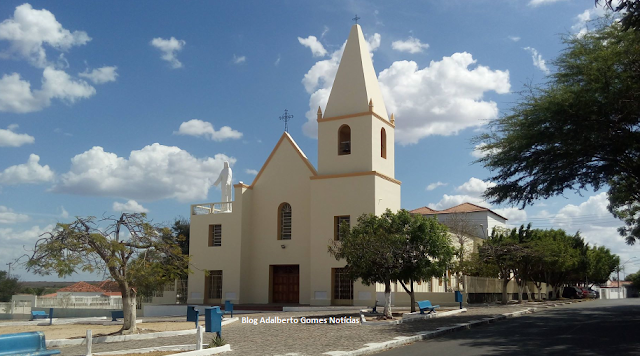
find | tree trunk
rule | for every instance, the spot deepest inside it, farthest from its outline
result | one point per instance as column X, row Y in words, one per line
column 505, row 283
column 387, row 300
column 129, row 310
column 520, row 284
column 412, row 295
column 413, row 299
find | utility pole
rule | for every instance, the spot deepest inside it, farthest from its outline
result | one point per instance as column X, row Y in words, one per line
column 9, row 273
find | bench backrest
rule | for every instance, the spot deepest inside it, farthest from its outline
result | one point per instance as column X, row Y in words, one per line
column 38, row 312
column 11, row 344
column 424, row 304
column 117, row 314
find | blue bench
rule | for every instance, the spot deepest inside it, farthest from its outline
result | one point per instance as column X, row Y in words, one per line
column 39, row 314
column 426, row 305
column 115, row 314
column 30, row 343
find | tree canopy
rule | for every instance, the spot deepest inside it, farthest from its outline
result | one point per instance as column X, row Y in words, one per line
column 631, row 9
column 581, row 129
column 135, row 253
column 393, row 247
column 8, row 286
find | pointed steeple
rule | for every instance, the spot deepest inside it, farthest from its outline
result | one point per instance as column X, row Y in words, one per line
column 356, row 83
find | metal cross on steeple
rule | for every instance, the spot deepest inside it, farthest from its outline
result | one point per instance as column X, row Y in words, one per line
column 356, row 19
column 286, row 117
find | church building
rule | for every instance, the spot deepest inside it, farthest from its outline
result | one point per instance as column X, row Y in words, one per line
column 269, row 245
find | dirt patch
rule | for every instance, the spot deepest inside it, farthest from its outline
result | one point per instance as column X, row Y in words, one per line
column 69, row 331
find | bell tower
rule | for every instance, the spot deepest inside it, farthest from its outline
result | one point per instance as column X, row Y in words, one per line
column 355, row 135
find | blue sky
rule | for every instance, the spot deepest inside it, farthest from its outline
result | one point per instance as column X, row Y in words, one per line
column 134, row 106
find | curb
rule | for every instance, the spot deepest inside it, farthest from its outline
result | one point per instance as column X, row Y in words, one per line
column 405, row 340
column 190, row 348
column 121, row 338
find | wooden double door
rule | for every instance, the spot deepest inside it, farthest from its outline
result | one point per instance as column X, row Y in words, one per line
column 285, row 283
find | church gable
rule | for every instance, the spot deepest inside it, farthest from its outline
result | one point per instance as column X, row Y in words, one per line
column 285, row 160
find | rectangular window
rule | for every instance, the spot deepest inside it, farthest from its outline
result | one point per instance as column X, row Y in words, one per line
column 342, row 284
column 215, row 235
column 214, row 290
column 337, row 221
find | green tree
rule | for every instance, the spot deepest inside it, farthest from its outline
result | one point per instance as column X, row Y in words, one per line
column 601, row 264
column 133, row 251
column 631, row 9
column 462, row 229
column 497, row 252
column 8, row 286
column 581, row 129
column 393, row 247
column 427, row 249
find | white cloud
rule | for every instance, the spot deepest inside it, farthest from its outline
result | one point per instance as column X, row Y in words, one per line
column 514, row 38
column 324, row 32
column 435, row 185
column 374, row 42
column 410, row 45
column 440, row 99
column 251, row 171
column 537, row 60
column 101, row 75
column 581, row 20
column 471, row 192
column 449, row 201
column 14, row 242
column 317, row 49
column 516, row 216
column 277, row 60
column 197, row 128
column 8, row 137
column 130, row 206
column 152, row 173
column 239, row 60
column 29, row 30
column 29, row 173
column 63, row 212
column 475, row 187
column 478, row 153
column 7, row 216
column 16, row 95
column 536, row 3
column 169, row 49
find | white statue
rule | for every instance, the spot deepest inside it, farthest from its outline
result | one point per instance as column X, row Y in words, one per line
column 225, row 180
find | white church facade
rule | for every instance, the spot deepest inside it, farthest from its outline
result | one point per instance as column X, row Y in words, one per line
column 269, row 245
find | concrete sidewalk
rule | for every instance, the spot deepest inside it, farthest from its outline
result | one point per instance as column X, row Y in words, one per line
column 313, row 339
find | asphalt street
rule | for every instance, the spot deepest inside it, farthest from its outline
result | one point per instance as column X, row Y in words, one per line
column 602, row 327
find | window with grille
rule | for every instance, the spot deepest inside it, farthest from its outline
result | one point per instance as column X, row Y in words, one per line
column 215, row 285
column 215, row 235
column 337, row 221
column 284, row 222
column 342, row 284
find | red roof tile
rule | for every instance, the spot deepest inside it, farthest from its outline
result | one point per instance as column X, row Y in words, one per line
column 462, row 208
column 109, row 286
column 424, row 211
column 81, row 287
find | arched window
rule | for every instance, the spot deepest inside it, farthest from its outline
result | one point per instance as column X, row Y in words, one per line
column 284, row 222
column 383, row 143
column 344, row 140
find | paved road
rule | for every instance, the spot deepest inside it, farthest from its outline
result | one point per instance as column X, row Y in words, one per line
column 604, row 327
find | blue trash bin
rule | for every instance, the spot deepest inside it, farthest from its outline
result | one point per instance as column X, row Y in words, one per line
column 459, row 298
column 213, row 320
column 191, row 313
column 228, row 307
